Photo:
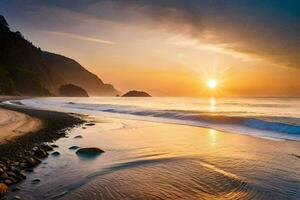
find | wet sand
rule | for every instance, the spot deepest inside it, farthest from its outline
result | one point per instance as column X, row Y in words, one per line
column 22, row 130
column 149, row 160
column 15, row 124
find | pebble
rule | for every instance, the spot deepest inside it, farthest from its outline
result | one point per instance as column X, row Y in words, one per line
column 46, row 147
column 31, row 162
column 17, row 198
column 56, row 153
column 4, row 176
column 3, row 190
column 36, row 181
column 78, row 137
column 74, row 147
column 8, row 182
column 40, row 153
column 90, row 124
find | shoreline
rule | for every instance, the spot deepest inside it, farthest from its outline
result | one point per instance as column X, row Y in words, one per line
column 22, row 153
column 134, row 148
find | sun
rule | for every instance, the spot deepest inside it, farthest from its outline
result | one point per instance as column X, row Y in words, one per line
column 212, row 83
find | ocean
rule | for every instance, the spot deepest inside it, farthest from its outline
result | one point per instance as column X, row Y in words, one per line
column 173, row 148
column 273, row 118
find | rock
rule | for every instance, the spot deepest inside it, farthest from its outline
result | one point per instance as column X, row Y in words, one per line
column 4, row 176
column 134, row 93
column 89, row 152
column 54, row 145
column 70, row 90
column 8, row 182
column 36, row 181
column 1, row 171
column 32, row 162
column 3, row 191
column 40, row 153
column 23, row 165
column 11, row 174
column 14, row 169
column 56, row 153
column 22, row 175
column 74, row 147
column 16, row 163
column 78, row 137
column 46, row 147
column 90, row 124
column 17, row 198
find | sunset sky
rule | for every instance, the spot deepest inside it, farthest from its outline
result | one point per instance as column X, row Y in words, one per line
column 172, row 47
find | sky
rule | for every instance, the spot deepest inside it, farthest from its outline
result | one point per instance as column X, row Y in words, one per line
column 172, row 47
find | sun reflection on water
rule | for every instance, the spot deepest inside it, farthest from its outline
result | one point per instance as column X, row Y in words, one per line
column 213, row 136
column 212, row 104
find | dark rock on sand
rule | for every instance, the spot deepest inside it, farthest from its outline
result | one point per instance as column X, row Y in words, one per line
column 78, row 137
column 11, row 174
column 297, row 156
column 1, row 171
column 54, row 145
column 40, row 153
column 4, row 176
column 17, row 198
column 90, row 124
column 46, row 147
column 8, row 182
column 74, row 147
column 36, row 181
column 32, row 162
column 89, row 152
column 56, row 153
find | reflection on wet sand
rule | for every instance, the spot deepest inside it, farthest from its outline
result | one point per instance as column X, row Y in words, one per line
column 148, row 160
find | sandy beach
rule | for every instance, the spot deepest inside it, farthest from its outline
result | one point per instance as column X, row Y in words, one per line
column 15, row 124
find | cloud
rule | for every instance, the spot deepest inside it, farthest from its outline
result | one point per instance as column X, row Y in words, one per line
column 79, row 37
column 263, row 29
column 251, row 29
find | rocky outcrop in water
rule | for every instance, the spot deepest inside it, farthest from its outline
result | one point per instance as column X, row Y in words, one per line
column 70, row 90
column 135, row 93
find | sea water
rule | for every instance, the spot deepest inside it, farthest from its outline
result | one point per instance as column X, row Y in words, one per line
column 149, row 156
column 273, row 118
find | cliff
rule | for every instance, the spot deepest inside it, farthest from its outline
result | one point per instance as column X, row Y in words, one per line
column 27, row 70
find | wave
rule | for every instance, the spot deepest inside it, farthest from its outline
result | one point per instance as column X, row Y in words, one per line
column 274, row 127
